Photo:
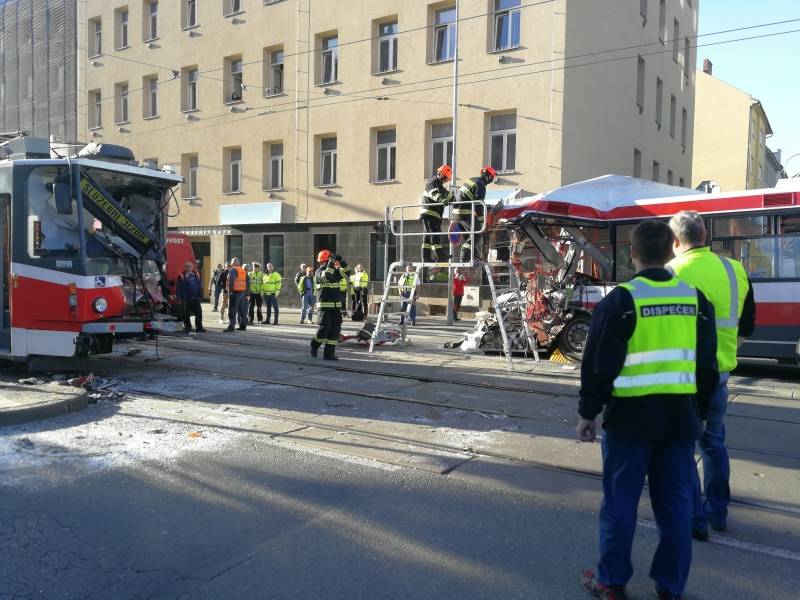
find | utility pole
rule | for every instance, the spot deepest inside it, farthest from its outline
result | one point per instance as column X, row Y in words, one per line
column 454, row 186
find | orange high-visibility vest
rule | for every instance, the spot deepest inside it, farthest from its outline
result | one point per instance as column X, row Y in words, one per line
column 240, row 283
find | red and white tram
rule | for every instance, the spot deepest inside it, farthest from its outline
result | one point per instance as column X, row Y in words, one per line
column 82, row 251
column 760, row 228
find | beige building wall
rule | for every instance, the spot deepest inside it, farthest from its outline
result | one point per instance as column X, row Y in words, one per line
column 610, row 103
column 731, row 129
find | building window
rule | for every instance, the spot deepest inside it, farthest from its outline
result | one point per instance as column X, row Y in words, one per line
column 507, row 23
column 676, row 44
column 643, row 9
column 662, row 21
column 659, row 100
column 673, row 109
column 637, row 163
column 150, row 97
column 329, row 72
column 503, row 142
column 640, row 83
column 231, row 7
column 273, row 77
column 386, row 155
column 684, row 125
column 234, row 170
column 444, row 35
column 122, row 28
column 687, row 61
column 669, row 177
column 190, row 13
column 441, row 145
column 682, row 182
column 233, row 93
column 95, row 37
column 121, row 93
column 327, row 161
column 274, row 179
column 387, row 47
column 273, row 252
column 95, row 109
column 656, row 171
column 150, row 29
column 189, row 167
column 190, row 92
column 234, row 247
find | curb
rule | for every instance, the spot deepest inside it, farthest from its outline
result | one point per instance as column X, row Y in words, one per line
column 45, row 410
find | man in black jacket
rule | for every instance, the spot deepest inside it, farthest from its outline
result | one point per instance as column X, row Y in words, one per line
column 650, row 366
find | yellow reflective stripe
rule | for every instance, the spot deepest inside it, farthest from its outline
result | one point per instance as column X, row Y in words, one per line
column 668, row 378
column 641, row 358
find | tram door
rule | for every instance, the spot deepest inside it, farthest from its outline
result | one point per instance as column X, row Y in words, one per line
column 5, row 269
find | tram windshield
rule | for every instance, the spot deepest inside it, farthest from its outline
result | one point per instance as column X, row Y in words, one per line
column 54, row 221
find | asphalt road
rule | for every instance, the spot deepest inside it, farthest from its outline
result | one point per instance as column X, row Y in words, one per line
column 153, row 499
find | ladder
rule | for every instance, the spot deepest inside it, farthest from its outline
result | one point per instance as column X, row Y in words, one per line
column 389, row 319
column 395, row 310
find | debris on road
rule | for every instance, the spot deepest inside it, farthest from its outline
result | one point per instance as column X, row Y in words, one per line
column 32, row 381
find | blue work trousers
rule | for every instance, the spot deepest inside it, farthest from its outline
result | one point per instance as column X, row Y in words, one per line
column 217, row 292
column 668, row 467
column 412, row 313
column 307, row 311
column 271, row 300
column 716, row 465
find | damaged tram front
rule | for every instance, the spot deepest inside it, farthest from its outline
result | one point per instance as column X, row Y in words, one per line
column 82, row 252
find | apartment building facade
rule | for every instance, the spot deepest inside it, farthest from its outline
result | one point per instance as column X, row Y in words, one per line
column 731, row 133
column 39, row 67
column 296, row 122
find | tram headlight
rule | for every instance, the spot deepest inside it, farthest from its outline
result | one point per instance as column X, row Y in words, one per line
column 100, row 305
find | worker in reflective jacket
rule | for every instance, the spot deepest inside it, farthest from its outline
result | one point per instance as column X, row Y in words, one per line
column 470, row 216
column 724, row 282
column 435, row 197
column 239, row 289
column 650, row 364
column 331, row 271
column 255, row 294
column 359, row 282
column 408, row 290
column 270, row 288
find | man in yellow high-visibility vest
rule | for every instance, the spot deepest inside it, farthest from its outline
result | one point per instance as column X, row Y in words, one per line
column 650, row 365
column 724, row 282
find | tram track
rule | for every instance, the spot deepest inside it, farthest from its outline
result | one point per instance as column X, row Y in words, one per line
column 470, row 453
column 428, row 379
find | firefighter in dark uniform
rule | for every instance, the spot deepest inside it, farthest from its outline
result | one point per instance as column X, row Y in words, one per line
column 650, row 365
column 472, row 189
column 332, row 270
column 435, row 197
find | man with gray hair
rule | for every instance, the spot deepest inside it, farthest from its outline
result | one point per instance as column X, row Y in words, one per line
column 726, row 285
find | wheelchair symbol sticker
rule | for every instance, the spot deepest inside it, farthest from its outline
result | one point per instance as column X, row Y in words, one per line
column 99, row 282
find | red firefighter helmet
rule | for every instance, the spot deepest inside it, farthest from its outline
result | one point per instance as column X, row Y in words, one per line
column 445, row 172
column 490, row 173
column 323, row 256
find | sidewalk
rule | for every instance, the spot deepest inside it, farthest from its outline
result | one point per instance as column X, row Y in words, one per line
column 22, row 403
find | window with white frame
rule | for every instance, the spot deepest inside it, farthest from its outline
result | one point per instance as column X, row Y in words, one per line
column 507, row 24
column 150, row 31
column 190, row 102
column 659, row 101
column 122, row 28
column 234, row 170
column 387, row 47
column 274, row 75
column 275, row 173
column 444, row 35
column 95, row 109
column 441, row 145
column 503, row 142
column 122, row 105
column 189, row 13
column 231, row 7
column 673, row 113
column 684, row 125
column 386, row 155
column 640, row 83
column 189, row 166
column 96, row 37
column 150, row 97
column 234, row 80
column 329, row 55
column 327, row 161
